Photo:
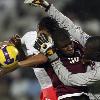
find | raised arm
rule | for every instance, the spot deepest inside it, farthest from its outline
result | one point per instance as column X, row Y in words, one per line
column 64, row 22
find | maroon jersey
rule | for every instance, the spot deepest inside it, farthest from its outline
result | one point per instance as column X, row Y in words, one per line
column 74, row 65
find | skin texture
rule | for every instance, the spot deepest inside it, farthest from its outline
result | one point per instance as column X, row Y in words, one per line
column 68, row 47
column 33, row 60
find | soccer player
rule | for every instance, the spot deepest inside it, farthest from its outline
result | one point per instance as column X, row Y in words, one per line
column 47, row 90
column 79, row 79
column 28, row 40
column 78, row 34
column 71, row 57
column 74, row 52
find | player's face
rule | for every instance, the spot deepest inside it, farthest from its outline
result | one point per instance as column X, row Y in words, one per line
column 68, row 48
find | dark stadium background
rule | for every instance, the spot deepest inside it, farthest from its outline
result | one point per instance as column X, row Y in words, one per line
column 16, row 17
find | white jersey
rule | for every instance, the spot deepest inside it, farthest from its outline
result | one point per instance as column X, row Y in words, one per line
column 29, row 40
column 64, row 75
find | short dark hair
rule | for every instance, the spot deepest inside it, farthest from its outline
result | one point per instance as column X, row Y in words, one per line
column 93, row 43
column 48, row 23
column 60, row 37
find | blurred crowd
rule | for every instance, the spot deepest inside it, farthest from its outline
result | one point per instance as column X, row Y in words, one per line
column 16, row 17
column 19, row 85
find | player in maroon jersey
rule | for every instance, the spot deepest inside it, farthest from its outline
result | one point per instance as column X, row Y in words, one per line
column 70, row 52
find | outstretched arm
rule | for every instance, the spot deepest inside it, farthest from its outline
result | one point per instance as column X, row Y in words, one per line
column 64, row 22
column 28, row 61
column 33, row 60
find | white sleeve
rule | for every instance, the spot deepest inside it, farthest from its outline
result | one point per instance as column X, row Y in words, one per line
column 79, row 79
column 43, row 78
column 61, row 71
column 87, row 78
column 64, row 22
column 29, row 40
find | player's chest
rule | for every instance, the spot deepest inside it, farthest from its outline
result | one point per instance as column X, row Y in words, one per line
column 73, row 60
column 70, row 60
column 73, row 64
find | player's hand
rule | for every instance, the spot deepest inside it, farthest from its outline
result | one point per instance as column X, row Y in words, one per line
column 38, row 3
column 16, row 40
column 44, row 43
column 34, row 2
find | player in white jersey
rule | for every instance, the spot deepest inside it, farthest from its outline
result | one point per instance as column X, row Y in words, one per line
column 47, row 90
column 79, row 35
column 33, row 58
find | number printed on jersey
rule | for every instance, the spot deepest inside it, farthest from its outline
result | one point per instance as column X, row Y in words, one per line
column 73, row 60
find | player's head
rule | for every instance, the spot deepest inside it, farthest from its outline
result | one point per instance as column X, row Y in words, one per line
column 47, row 24
column 62, row 41
column 92, row 48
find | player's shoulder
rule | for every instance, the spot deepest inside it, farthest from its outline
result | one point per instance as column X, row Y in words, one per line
column 29, row 36
column 30, row 33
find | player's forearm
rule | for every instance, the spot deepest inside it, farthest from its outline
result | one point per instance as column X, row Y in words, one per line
column 83, row 79
column 87, row 78
column 79, row 79
column 33, row 60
